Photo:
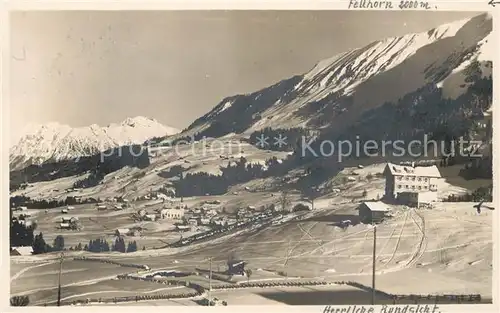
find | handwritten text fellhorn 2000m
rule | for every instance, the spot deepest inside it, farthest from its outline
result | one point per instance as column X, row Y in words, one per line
column 368, row 4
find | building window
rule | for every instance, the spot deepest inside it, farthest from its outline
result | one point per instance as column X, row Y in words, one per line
column 406, row 186
column 419, row 179
column 419, row 187
column 412, row 187
column 413, row 178
column 399, row 186
column 400, row 178
column 426, row 179
column 407, row 178
column 425, row 187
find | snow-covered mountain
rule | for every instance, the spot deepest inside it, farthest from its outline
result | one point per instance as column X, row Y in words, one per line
column 391, row 89
column 353, row 82
column 55, row 142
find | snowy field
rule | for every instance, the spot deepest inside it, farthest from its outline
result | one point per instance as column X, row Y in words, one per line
column 453, row 250
column 450, row 245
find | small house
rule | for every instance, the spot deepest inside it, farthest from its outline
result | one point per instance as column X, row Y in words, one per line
column 142, row 212
column 22, row 208
column 66, row 219
column 182, row 227
column 192, row 222
column 102, row 207
column 26, row 223
column 122, row 232
column 204, row 221
column 211, row 212
column 218, row 222
column 162, row 196
column 70, row 207
column 65, row 226
column 21, row 251
column 64, row 211
column 150, row 217
column 236, row 267
column 372, row 212
column 134, row 233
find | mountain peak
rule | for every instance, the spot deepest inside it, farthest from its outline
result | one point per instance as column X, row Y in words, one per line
column 139, row 121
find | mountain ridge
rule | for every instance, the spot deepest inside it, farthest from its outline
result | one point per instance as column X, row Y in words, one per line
column 56, row 142
column 351, row 81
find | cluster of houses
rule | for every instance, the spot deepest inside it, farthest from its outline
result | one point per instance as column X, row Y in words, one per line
column 117, row 206
column 210, row 217
column 70, row 223
column 189, row 218
column 165, row 196
column 143, row 215
column 22, row 211
column 406, row 184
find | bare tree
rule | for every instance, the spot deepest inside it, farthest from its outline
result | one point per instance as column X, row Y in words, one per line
column 312, row 194
column 284, row 200
column 248, row 272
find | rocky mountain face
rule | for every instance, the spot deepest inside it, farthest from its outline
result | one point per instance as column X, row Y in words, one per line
column 338, row 91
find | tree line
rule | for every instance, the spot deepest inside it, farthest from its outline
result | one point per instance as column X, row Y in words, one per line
column 22, row 235
column 41, row 204
column 480, row 194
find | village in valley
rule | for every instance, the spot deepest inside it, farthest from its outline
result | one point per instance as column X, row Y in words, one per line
column 191, row 233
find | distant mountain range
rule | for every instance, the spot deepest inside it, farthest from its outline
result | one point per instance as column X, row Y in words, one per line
column 56, row 142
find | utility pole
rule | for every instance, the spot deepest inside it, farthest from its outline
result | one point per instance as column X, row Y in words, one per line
column 373, row 262
column 286, row 259
column 59, row 280
column 210, row 282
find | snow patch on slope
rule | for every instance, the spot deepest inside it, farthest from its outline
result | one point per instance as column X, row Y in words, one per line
column 380, row 56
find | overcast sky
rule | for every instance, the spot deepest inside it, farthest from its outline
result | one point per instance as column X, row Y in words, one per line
column 81, row 68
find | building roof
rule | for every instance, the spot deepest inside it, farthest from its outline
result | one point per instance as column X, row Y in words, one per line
column 236, row 262
column 423, row 171
column 376, row 206
column 123, row 230
column 22, row 250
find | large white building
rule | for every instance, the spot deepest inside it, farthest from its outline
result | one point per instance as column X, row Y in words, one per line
column 410, row 184
column 172, row 213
